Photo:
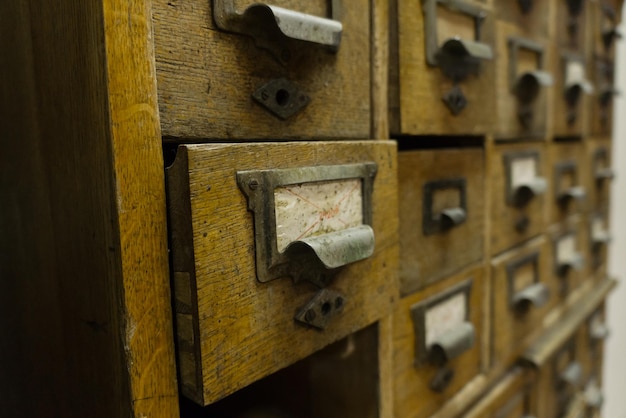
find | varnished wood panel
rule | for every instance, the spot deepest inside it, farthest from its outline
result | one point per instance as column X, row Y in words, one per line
column 85, row 243
column 206, row 77
column 426, row 257
column 412, row 393
column 241, row 330
column 420, row 107
column 512, row 224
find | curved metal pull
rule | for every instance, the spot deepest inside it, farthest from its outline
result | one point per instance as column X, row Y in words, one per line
column 452, row 217
column 599, row 331
column 574, row 89
column 606, row 95
column 261, row 20
column 575, row 262
column 576, row 192
column 605, row 174
column 452, row 343
column 600, row 237
column 609, row 36
column 536, row 295
column 458, row 58
column 572, row 374
column 524, row 193
column 594, row 398
column 529, row 84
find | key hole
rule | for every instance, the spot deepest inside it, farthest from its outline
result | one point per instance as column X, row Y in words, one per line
column 282, row 97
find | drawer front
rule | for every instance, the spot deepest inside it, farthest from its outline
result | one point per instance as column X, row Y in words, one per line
column 519, row 199
column 568, row 194
column 560, row 381
column 530, row 16
column 277, row 251
column 568, row 256
column 591, row 338
column 438, row 343
column 599, row 174
column 523, row 76
column 573, row 25
column 441, row 212
column 573, row 91
column 521, row 298
column 603, row 72
column 605, row 16
column 445, row 67
column 599, row 239
column 510, row 398
column 250, row 81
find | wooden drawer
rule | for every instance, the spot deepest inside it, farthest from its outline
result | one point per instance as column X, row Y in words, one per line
column 568, row 256
column 442, row 63
column 244, row 218
column 598, row 243
column 521, row 298
column 519, row 181
column 603, row 72
column 569, row 195
column 510, row 398
column 530, row 16
column 599, row 174
column 437, row 341
column 591, row 346
column 605, row 16
column 573, row 25
column 214, row 83
column 441, row 211
column 572, row 94
column 523, row 75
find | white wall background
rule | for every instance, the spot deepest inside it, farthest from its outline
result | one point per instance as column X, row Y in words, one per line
column 615, row 350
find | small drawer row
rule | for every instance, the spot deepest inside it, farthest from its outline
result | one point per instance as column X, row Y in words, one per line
column 445, row 195
column 464, row 67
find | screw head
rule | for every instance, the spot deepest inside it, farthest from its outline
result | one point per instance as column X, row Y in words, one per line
column 253, row 184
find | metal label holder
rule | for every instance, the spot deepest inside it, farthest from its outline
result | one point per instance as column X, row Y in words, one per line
column 536, row 294
column 448, row 218
column 522, row 194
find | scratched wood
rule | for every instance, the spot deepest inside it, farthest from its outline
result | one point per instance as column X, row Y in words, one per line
column 206, row 77
column 416, row 99
column 240, row 329
column 560, row 154
column 87, row 215
column 412, row 395
column 507, row 122
column 426, row 258
column 511, row 225
column 511, row 397
column 513, row 330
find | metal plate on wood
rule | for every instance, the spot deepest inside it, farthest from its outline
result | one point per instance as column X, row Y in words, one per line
column 281, row 97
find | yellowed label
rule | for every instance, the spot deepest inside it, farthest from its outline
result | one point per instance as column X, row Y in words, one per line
column 523, row 171
column 316, row 208
column 445, row 316
column 566, row 248
column 574, row 72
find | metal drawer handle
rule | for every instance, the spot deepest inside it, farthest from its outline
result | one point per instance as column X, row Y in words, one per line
column 607, row 94
column 536, row 295
column 575, row 262
column 524, row 193
column 260, row 20
column 599, row 331
column 527, row 85
column 447, row 218
column 576, row 192
column 605, row 174
column 457, row 57
column 452, row 217
column 593, row 396
column 572, row 374
column 452, row 343
column 601, row 237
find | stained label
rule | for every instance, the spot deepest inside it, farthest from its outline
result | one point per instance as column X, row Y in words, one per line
column 445, row 316
column 523, row 171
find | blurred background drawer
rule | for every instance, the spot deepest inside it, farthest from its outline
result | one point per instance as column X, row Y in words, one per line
column 441, row 210
column 530, row 16
column 599, row 174
column 519, row 187
column 442, row 67
column 261, row 84
column 568, row 256
column 568, row 169
column 310, row 234
column 573, row 91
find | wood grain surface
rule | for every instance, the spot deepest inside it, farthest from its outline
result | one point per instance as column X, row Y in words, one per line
column 206, row 77
column 245, row 329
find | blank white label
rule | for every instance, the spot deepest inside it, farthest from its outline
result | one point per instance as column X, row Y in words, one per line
column 445, row 316
column 566, row 248
column 574, row 72
column 523, row 171
column 311, row 209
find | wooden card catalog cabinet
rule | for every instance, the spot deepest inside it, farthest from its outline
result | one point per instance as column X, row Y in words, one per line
column 442, row 213
column 521, row 298
column 236, row 69
column 519, row 187
column 572, row 93
column 568, row 167
column 438, row 343
column 278, row 250
column 523, row 75
column 442, row 61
